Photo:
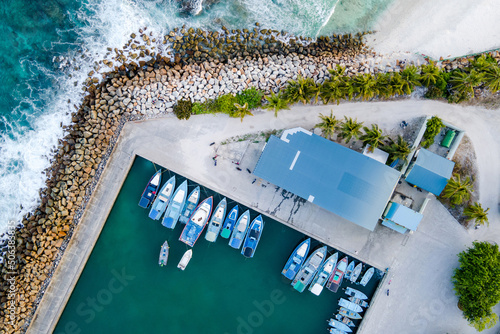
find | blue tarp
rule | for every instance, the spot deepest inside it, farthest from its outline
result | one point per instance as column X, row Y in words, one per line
column 431, row 172
column 330, row 175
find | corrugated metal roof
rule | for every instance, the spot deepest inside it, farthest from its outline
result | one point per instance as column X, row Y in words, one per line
column 404, row 216
column 431, row 172
column 334, row 177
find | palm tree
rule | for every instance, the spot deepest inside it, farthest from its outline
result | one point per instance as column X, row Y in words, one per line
column 458, row 191
column 331, row 91
column 431, row 74
column 373, row 137
column 365, row 85
column 276, row 102
column 383, row 85
column 411, row 78
column 465, row 82
column 397, row 84
column 241, row 111
column 476, row 212
column 492, row 77
column 350, row 129
column 328, row 125
column 347, row 88
column 303, row 90
column 337, row 73
column 399, row 149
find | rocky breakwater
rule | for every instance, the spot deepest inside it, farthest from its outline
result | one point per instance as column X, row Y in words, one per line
column 134, row 91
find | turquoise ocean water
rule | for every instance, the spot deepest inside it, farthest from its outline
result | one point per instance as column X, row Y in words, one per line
column 123, row 290
column 49, row 46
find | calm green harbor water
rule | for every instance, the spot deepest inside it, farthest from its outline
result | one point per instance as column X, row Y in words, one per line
column 123, row 290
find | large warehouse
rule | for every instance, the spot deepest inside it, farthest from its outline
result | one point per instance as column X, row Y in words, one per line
column 338, row 179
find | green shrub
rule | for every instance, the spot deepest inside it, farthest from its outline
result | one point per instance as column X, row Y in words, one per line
column 198, row 108
column 225, row 104
column 434, row 126
column 183, row 109
column 252, row 96
column 434, row 92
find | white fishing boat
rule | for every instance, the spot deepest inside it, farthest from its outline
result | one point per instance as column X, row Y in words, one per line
column 367, row 276
column 185, row 259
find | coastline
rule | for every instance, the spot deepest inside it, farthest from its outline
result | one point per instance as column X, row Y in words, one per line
column 124, row 96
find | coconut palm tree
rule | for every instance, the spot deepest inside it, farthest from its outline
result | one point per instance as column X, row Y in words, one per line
column 373, row 137
column 492, row 77
column 337, row 73
column 350, row 129
column 331, row 91
column 397, row 84
column 383, row 85
column 276, row 102
column 365, row 85
column 476, row 212
column 465, row 82
column 399, row 149
column 241, row 111
column 430, row 75
column 301, row 90
column 328, row 125
column 411, row 78
column 458, row 191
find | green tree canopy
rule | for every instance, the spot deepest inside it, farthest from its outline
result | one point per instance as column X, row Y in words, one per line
column 276, row 102
column 477, row 283
column 373, row 137
column 301, row 90
column 349, row 129
column 399, row 149
column 476, row 212
column 241, row 111
column 328, row 125
column 458, row 191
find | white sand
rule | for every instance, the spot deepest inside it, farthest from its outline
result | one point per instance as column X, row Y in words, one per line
column 438, row 28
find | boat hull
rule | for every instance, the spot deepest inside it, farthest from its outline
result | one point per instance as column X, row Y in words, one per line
column 160, row 203
column 185, row 259
column 215, row 223
column 294, row 262
column 350, row 305
column 309, row 269
column 174, row 209
column 253, row 237
column 229, row 222
column 355, row 293
column 190, row 205
column 323, row 275
column 240, row 230
column 337, row 324
column 348, row 313
column 164, row 250
column 197, row 222
column 367, row 276
column 149, row 192
column 338, row 275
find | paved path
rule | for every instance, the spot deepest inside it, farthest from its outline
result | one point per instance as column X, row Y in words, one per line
column 421, row 298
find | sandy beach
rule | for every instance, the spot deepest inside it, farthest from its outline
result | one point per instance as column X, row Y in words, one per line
column 438, row 28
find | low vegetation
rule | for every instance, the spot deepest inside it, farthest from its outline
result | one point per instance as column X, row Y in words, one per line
column 434, row 126
column 476, row 283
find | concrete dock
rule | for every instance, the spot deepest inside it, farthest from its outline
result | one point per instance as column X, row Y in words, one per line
column 421, row 296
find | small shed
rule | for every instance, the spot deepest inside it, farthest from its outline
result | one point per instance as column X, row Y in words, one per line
column 401, row 218
column 377, row 154
column 430, row 172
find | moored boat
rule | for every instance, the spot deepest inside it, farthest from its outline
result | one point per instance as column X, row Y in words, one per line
column 349, row 270
column 367, row 276
column 164, row 254
column 350, row 305
column 162, row 199
column 344, row 320
column 190, row 205
column 359, row 302
column 323, row 274
column 175, row 206
column 185, row 259
column 229, row 222
column 253, row 237
column 338, row 275
column 348, row 313
column 149, row 192
column 355, row 293
column 337, row 324
column 356, row 272
column 197, row 222
column 240, row 230
column 309, row 269
column 335, row 331
column 215, row 223
column 296, row 259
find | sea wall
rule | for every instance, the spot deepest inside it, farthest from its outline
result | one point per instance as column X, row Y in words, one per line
column 145, row 89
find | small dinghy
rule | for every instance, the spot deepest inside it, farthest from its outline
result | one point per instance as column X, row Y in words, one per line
column 367, row 276
column 164, row 254
column 356, row 272
column 185, row 259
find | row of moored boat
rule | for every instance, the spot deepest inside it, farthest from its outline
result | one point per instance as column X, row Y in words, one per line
column 350, row 310
column 176, row 205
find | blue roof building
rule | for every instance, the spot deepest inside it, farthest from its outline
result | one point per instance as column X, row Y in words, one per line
column 401, row 218
column 430, row 172
column 345, row 182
